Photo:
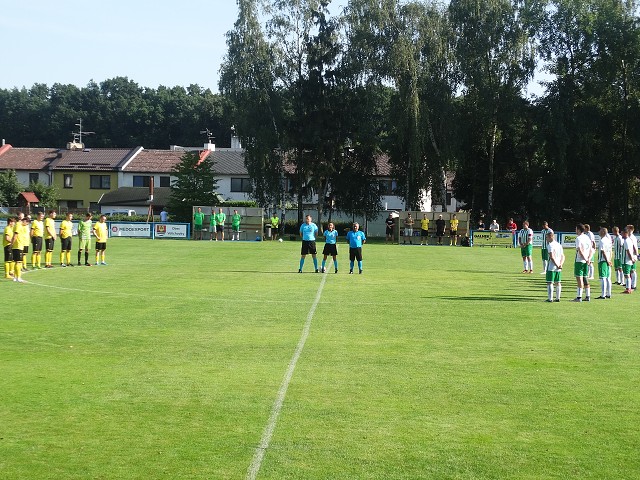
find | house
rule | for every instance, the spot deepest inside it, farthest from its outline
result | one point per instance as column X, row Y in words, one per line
column 27, row 200
column 30, row 164
column 82, row 176
column 135, row 198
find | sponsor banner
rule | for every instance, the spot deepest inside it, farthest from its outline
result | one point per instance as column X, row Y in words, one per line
column 169, row 230
column 537, row 239
column 492, row 239
column 568, row 240
column 137, row 230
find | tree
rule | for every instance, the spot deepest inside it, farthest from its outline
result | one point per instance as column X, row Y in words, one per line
column 195, row 184
column 10, row 188
column 48, row 195
column 496, row 60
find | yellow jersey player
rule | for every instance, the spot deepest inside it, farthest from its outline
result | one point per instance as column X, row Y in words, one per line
column 49, row 238
column 37, row 233
column 7, row 238
column 100, row 231
column 66, row 232
column 17, row 247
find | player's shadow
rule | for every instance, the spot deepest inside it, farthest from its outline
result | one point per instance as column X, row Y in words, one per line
column 488, row 298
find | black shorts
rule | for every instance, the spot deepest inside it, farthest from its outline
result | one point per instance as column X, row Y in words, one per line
column 355, row 254
column 389, row 230
column 48, row 243
column 16, row 254
column 101, row 246
column 66, row 244
column 25, row 250
column 36, row 243
column 219, row 228
column 440, row 233
column 330, row 249
column 424, row 233
column 8, row 254
column 308, row 246
column 454, row 233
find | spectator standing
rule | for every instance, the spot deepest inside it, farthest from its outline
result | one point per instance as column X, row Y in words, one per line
column 390, row 223
column 453, row 230
column 235, row 226
column 424, row 230
column 494, row 226
column 164, row 215
column 408, row 229
column 513, row 228
column 440, row 229
column 275, row 225
column 220, row 218
column 198, row 220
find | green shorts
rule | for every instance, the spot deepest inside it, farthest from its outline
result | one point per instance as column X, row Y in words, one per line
column 554, row 277
column 545, row 254
column 581, row 269
column 197, row 227
column 617, row 264
column 526, row 251
column 85, row 244
column 633, row 267
column 626, row 269
column 603, row 270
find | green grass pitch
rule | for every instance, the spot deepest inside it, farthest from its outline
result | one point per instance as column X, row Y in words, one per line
column 436, row 363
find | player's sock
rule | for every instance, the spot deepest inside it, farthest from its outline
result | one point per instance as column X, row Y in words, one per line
column 103, row 255
column 603, row 287
column 315, row 263
column 7, row 269
column 531, row 265
column 68, row 257
column 24, row 261
column 61, row 257
column 587, row 291
column 558, row 291
column 550, row 291
column 301, row 264
column 351, row 266
column 627, row 282
column 579, row 294
column 335, row 264
column 524, row 265
column 634, row 279
column 79, row 255
column 86, row 256
column 360, row 265
column 324, row 262
column 17, row 270
column 97, row 257
column 607, row 287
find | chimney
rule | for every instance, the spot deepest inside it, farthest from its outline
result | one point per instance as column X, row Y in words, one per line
column 235, row 143
column 3, row 143
column 210, row 146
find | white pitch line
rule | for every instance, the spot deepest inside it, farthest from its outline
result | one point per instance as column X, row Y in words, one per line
column 261, row 449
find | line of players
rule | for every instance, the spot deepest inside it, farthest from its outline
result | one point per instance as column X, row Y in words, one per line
column 619, row 250
column 18, row 235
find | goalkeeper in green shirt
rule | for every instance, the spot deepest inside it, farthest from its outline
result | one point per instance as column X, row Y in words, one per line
column 84, row 235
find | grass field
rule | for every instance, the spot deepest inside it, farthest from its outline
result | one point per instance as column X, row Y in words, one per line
column 436, row 363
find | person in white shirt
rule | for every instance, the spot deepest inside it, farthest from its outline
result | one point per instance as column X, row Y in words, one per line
column 634, row 241
column 581, row 267
column 554, row 267
column 589, row 233
column 494, row 226
column 525, row 240
column 604, row 264
column 629, row 259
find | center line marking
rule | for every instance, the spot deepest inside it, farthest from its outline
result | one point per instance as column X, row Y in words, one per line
column 261, row 449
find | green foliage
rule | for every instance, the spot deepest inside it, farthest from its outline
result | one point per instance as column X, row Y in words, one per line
column 47, row 194
column 195, row 185
column 10, row 188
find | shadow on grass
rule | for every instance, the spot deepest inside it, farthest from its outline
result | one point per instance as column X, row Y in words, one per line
column 490, row 298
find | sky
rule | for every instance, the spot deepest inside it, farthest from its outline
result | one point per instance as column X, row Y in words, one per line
column 152, row 43
column 170, row 43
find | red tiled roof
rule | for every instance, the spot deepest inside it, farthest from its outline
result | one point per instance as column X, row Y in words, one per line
column 155, row 161
column 30, row 197
column 26, row 158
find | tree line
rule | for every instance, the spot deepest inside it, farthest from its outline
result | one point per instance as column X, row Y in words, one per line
column 316, row 98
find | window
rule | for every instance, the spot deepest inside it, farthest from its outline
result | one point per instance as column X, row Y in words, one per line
column 68, row 180
column 387, row 187
column 241, row 185
column 141, row 180
column 72, row 204
column 34, row 178
column 102, row 182
column 165, row 181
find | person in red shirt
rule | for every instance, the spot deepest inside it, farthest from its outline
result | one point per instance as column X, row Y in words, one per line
column 511, row 225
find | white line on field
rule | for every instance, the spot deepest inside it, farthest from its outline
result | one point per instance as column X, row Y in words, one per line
column 261, row 449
